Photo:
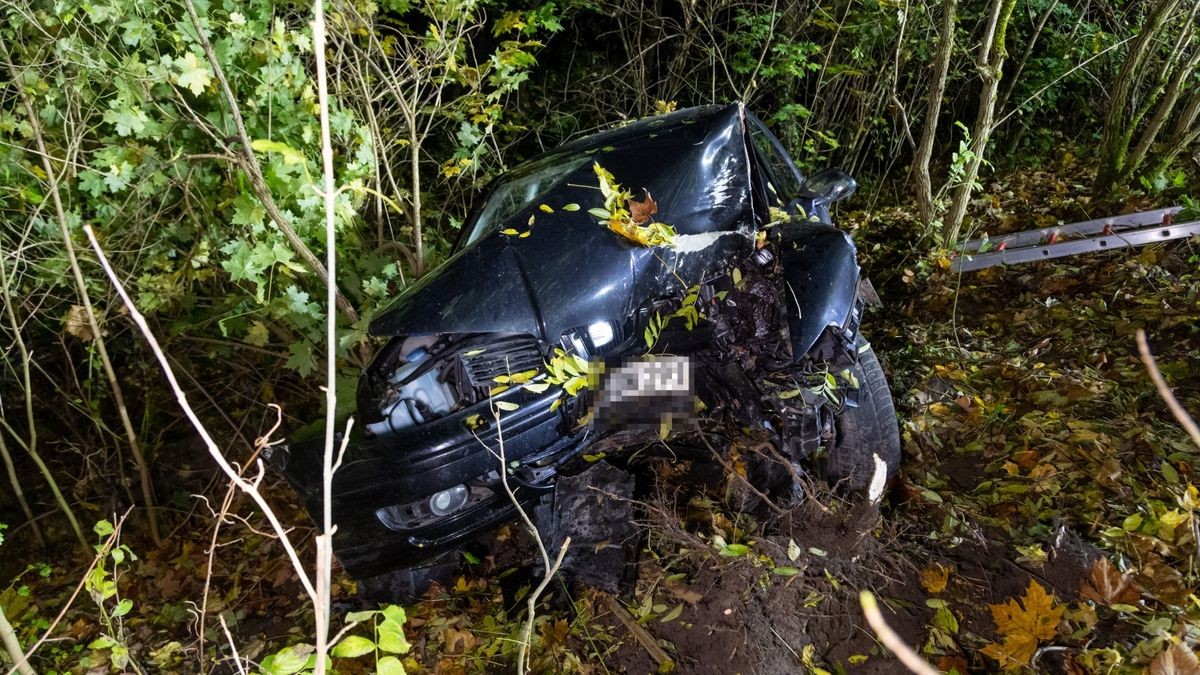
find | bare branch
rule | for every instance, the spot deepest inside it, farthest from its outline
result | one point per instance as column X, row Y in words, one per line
column 890, row 639
column 1185, row 420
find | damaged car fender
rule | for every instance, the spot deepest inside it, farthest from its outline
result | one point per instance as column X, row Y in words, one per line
column 820, row 274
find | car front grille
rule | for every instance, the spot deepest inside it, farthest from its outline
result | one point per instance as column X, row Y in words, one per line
column 505, row 356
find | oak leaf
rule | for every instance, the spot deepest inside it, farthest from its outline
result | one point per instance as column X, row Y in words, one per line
column 1107, row 586
column 640, row 212
column 1023, row 625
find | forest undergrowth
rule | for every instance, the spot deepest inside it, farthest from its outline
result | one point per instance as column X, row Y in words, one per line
column 1045, row 517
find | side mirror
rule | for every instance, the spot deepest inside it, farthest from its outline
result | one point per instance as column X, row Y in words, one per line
column 828, row 186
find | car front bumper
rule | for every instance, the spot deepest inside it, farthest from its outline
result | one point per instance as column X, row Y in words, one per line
column 418, row 462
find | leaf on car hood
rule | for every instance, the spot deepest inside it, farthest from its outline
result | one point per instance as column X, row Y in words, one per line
column 640, row 212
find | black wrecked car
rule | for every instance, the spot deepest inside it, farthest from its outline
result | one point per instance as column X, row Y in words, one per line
column 644, row 284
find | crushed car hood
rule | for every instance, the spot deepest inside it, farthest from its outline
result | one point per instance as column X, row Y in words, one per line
column 570, row 270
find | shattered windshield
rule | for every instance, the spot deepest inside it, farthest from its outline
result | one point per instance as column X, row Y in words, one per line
column 521, row 190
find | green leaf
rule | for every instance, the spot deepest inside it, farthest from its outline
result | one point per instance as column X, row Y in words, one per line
column 359, row 617
column 600, row 213
column 571, row 207
column 391, row 637
column 672, row 615
column 394, row 614
column 119, row 656
column 389, row 665
column 192, row 73
column 103, row 528
column 507, row 405
column 288, row 660
column 128, row 119
column 785, row 571
column 257, row 335
column 122, row 607
column 734, row 550
column 102, row 642
column 301, row 358
column 353, row 646
column 265, row 146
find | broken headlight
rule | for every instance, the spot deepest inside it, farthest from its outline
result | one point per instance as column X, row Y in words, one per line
column 415, row 514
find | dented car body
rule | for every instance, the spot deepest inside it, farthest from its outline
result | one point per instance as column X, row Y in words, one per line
column 745, row 310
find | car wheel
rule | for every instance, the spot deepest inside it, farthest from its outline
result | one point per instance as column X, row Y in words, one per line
column 867, row 430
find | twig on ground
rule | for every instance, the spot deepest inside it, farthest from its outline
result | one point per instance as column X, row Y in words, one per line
column 733, row 472
column 1185, row 420
column 260, row 444
column 644, row 638
column 890, row 639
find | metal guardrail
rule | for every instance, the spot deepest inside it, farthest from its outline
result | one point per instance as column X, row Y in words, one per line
column 1047, row 243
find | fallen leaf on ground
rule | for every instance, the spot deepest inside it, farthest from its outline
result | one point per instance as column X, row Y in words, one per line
column 1108, row 586
column 1175, row 660
column 1023, row 625
column 934, row 578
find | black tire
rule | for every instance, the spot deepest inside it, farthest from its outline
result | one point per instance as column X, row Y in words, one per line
column 868, row 430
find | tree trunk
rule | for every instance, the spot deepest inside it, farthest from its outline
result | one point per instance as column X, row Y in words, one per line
column 992, row 54
column 1165, row 107
column 1029, row 45
column 9, row 637
column 1185, row 133
column 933, row 110
column 1118, row 128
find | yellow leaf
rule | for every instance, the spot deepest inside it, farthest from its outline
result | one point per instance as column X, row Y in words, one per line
column 1023, row 625
column 509, row 231
column 935, row 577
column 523, row 235
column 545, row 208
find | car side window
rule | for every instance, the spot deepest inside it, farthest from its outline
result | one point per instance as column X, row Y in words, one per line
column 784, row 177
